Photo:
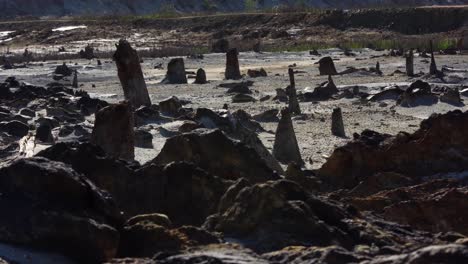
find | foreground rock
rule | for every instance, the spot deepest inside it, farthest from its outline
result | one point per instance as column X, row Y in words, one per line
column 438, row 146
column 113, row 131
column 51, row 206
column 213, row 151
column 175, row 72
column 131, row 75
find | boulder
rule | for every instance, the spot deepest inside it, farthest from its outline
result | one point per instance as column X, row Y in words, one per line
column 113, row 131
column 143, row 139
column 323, row 92
column 14, row 128
column 267, row 116
column 201, row 77
column 175, row 72
column 451, row 96
column 418, row 93
column 51, row 206
column 63, row 70
column 286, row 148
column 170, row 106
column 87, row 53
column 243, row 98
column 327, row 66
column 131, row 75
column 44, row 133
column 211, row 150
column 232, row 65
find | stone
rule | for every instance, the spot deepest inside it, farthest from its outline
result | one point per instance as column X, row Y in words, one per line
column 267, row 116
column 337, row 126
column 113, row 131
column 44, row 133
column 433, row 67
column 201, row 77
column 243, row 98
column 63, row 70
column 131, row 75
column 239, row 88
column 281, row 95
column 53, row 207
column 438, row 146
column 410, row 63
column 14, row 128
column 418, row 93
column 327, row 66
column 331, row 254
column 170, row 106
column 146, row 114
column 175, row 72
column 27, row 112
column 286, row 148
column 220, row 46
column 323, row 92
column 451, row 96
column 214, row 152
column 257, row 73
column 87, row 53
column 143, row 139
column 232, row 65
column 75, row 79
column 293, row 105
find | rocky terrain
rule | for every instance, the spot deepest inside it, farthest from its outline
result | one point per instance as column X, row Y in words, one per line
column 112, row 154
column 15, row 8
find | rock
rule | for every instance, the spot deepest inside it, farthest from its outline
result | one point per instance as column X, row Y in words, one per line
column 433, row 68
column 241, row 87
column 419, row 93
column 438, row 146
column 267, row 116
column 143, row 139
column 183, row 192
column 131, row 75
column 145, row 238
column 441, row 254
column 295, row 174
column 314, row 52
column 392, row 93
column 212, row 151
column 63, row 70
column 14, row 128
column 327, row 66
column 52, row 207
column 44, row 133
column 27, row 112
column 201, row 77
column 146, row 114
column 380, row 182
column 281, row 95
column 410, row 63
column 87, row 53
column 293, row 105
column 323, row 92
column 285, row 148
column 157, row 219
column 451, row 96
column 113, row 131
column 175, row 72
column 337, row 127
column 75, row 79
column 257, row 73
column 220, row 46
column 332, row 254
column 243, row 98
column 232, row 65
column 170, row 106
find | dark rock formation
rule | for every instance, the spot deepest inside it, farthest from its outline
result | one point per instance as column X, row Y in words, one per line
column 44, row 132
column 410, row 63
column 201, row 77
column 438, row 146
column 293, row 105
column 143, row 139
column 232, row 66
column 51, row 206
column 323, row 92
column 75, row 79
column 286, row 148
column 113, row 131
column 131, row 75
column 327, row 67
column 419, row 93
column 451, row 96
column 213, row 151
column 243, row 98
column 170, row 106
column 337, row 126
column 267, row 116
column 63, row 70
column 257, row 73
column 433, row 67
column 14, row 128
column 175, row 72
column 87, row 53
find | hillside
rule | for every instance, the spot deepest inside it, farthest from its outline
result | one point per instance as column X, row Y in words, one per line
column 14, row 8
